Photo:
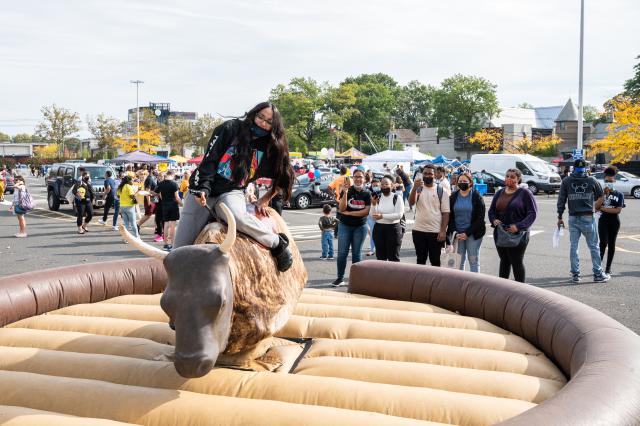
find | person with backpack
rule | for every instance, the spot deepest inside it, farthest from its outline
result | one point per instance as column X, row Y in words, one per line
column 431, row 217
column 609, row 222
column 466, row 220
column 22, row 203
column 387, row 209
column 84, row 197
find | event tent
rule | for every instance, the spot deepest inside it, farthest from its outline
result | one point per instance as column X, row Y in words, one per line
column 139, row 157
column 352, row 153
column 393, row 158
column 196, row 160
column 179, row 159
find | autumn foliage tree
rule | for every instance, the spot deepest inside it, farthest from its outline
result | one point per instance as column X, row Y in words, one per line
column 490, row 139
column 623, row 139
column 527, row 145
column 150, row 135
column 49, row 151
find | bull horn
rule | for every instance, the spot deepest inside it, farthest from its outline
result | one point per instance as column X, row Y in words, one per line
column 145, row 248
column 226, row 245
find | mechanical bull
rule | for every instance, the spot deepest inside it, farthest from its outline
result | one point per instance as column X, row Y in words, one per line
column 224, row 295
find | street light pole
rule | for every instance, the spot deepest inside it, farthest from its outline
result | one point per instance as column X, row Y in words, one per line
column 580, row 118
column 138, row 83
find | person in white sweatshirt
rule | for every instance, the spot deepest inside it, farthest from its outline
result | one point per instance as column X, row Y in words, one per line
column 387, row 210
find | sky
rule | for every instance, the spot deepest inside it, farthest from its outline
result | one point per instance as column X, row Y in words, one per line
column 223, row 57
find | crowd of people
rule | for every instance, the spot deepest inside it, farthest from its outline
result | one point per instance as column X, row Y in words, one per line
column 450, row 215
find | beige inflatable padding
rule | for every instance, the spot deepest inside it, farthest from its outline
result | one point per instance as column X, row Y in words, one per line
column 162, row 407
column 419, row 403
column 21, row 416
column 430, row 353
column 341, row 328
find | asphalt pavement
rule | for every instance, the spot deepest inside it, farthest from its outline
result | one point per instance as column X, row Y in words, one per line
column 53, row 242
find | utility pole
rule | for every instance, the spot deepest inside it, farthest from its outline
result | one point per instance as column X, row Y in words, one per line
column 138, row 83
column 580, row 118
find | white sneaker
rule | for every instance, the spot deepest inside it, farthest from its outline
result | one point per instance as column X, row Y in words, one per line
column 101, row 222
column 115, row 228
column 21, row 235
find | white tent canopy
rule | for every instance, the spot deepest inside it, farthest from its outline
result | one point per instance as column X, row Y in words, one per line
column 393, row 158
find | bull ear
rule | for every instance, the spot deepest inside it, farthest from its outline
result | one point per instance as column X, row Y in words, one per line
column 228, row 242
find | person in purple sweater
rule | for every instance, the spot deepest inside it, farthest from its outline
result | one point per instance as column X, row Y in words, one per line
column 515, row 209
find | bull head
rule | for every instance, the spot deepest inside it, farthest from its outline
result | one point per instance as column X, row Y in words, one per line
column 198, row 298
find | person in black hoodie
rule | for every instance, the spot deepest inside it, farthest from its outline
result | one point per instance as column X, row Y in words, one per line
column 84, row 197
column 581, row 192
column 240, row 151
column 467, row 220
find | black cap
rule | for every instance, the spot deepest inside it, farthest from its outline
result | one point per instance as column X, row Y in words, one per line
column 579, row 163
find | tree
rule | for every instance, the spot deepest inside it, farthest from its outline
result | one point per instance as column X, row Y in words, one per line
column 623, row 139
column 106, row 130
column 590, row 113
column 49, row 151
column 180, row 133
column 150, row 135
column 4, row 137
column 25, row 137
column 301, row 104
column 339, row 108
column 463, row 105
column 490, row 139
column 415, row 106
column 526, row 105
column 632, row 86
column 58, row 125
column 528, row 145
column 204, row 126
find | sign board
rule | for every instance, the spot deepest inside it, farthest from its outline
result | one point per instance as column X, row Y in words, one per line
column 162, row 167
column 578, row 154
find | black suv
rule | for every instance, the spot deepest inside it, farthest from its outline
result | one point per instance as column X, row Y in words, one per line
column 306, row 193
column 63, row 176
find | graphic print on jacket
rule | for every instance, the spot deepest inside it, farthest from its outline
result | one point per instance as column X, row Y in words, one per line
column 225, row 169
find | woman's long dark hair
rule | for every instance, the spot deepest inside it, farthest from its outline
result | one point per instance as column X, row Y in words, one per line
column 126, row 180
column 277, row 151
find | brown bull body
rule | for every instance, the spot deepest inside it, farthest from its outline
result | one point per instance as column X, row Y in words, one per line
column 224, row 294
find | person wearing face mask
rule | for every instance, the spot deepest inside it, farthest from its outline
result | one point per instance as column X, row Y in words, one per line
column 355, row 203
column 431, row 217
column 582, row 192
column 240, row 151
column 375, row 193
column 467, row 221
column 387, row 210
column 514, row 209
column 84, row 197
column 609, row 222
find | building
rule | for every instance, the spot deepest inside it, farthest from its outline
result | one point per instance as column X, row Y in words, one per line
column 19, row 151
column 514, row 122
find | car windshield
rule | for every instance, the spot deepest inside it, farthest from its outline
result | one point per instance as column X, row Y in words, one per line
column 538, row 166
column 97, row 172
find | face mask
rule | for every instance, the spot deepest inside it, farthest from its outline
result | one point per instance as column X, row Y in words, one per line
column 258, row 131
column 358, row 187
column 609, row 185
column 375, row 189
column 463, row 186
column 510, row 182
column 386, row 191
column 428, row 180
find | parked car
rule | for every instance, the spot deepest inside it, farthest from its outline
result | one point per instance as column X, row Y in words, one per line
column 307, row 193
column 627, row 183
column 494, row 181
column 9, row 186
column 63, row 176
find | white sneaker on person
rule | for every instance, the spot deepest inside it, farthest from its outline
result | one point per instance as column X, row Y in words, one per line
column 339, row 283
column 101, row 222
column 21, row 235
column 115, row 228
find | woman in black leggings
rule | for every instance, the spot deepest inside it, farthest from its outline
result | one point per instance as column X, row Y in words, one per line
column 609, row 223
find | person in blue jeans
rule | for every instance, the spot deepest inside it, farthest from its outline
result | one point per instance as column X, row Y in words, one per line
column 581, row 192
column 327, row 224
column 467, row 221
column 355, row 202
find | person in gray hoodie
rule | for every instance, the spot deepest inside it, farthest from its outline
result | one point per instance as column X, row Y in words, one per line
column 581, row 192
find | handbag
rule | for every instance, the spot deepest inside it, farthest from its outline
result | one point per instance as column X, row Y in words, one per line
column 449, row 256
column 507, row 239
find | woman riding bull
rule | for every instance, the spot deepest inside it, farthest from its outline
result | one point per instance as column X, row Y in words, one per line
column 240, row 151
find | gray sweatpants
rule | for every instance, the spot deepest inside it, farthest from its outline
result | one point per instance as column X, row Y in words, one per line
column 194, row 218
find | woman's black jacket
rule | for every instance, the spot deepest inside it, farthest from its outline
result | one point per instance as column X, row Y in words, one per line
column 478, row 227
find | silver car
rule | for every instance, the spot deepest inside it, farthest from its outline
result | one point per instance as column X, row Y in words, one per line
column 627, row 183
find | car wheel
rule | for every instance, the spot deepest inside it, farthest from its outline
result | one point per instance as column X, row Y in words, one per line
column 533, row 188
column 52, row 201
column 303, row 201
column 636, row 192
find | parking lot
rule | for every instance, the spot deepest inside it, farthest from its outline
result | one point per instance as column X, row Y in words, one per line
column 53, row 242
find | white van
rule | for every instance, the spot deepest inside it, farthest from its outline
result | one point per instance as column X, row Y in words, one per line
column 535, row 172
